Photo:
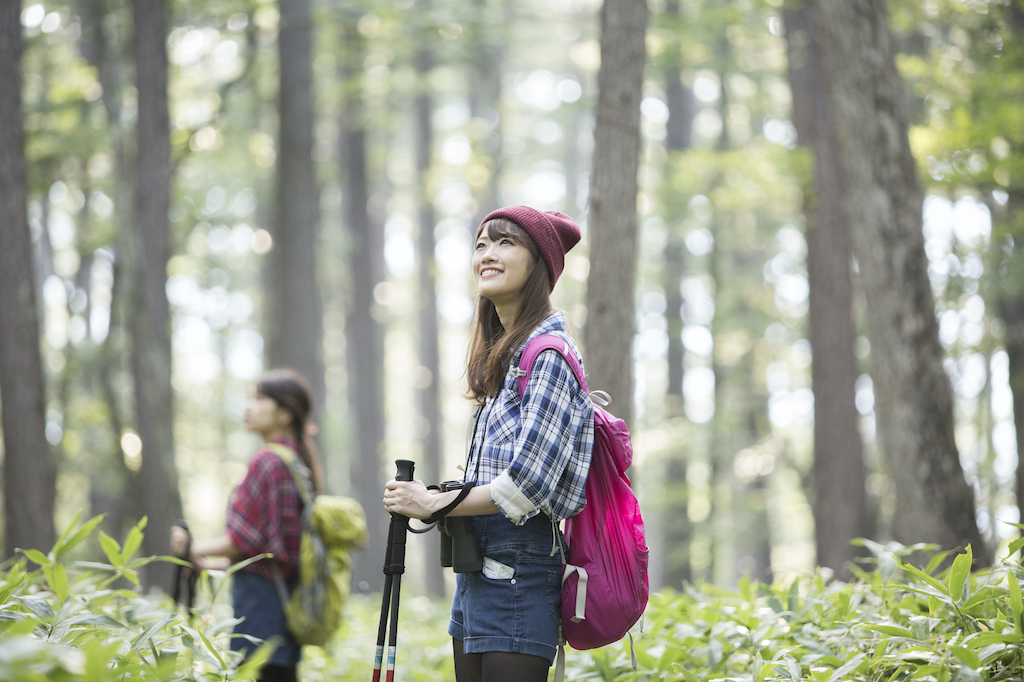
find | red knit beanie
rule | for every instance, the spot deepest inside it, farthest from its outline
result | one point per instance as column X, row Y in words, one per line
column 554, row 234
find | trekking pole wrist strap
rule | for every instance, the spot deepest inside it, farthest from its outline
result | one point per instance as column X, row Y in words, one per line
column 441, row 513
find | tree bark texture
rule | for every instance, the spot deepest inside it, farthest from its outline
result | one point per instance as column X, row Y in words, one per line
column 612, row 221
column 28, row 470
column 1011, row 308
column 678, row 529
column 150, row 312
column 295, row 325
column 429, row 350
column 839, row 498
column 883, row 200
column 364, row 335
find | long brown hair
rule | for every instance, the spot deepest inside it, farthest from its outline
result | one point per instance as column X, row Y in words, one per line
column 292, row 393
column 493, row 346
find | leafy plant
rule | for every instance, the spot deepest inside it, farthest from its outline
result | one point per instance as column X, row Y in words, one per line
column 72, row 621
column 896, row 622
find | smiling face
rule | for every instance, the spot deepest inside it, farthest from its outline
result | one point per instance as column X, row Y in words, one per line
column 502, row 264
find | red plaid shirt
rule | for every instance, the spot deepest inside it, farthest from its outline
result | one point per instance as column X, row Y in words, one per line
column 264, row 514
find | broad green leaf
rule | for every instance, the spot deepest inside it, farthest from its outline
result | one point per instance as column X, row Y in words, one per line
column 64, row 546
column 968, row 656
column 96, row 619
column 959, row 574
column 37, row 605
column 36, row 557
column 1015, row 602
column 112, row 549
column 57, row 578
column 1015, row 546
column 986, row 638
column 967, row 674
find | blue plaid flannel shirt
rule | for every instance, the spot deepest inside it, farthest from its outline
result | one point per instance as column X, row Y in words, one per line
column 535, row 452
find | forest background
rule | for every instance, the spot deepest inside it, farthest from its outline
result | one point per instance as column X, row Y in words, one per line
column 308, row 193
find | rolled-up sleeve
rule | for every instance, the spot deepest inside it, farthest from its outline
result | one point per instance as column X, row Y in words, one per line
column 553, row 444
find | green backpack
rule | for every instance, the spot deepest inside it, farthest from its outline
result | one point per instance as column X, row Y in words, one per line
column 332, row 526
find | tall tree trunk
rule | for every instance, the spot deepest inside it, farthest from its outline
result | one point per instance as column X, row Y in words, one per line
column 613, row 189
column 484, row 101
column 364, row 334
column 29, row 472
column 1011, row 308
column 681, row 110
column 429, row 351
column 883, row 200
column 151, row 319
column 110, row 486
column 295, row 324
column 839, row 500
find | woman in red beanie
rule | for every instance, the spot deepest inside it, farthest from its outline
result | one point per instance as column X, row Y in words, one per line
column 528, row 456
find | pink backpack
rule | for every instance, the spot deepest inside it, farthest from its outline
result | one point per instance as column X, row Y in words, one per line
column 605, row 588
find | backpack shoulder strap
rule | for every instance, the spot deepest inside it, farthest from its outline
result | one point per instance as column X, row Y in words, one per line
column 538, row 345
column 290, row 460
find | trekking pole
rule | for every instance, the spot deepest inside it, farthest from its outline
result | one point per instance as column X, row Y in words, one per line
column 394, row 567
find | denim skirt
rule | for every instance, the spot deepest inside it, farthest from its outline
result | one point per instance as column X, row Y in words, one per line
column 256, row 599
column 513, row 604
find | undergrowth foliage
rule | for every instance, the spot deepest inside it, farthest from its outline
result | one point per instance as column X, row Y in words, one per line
column 81, row 620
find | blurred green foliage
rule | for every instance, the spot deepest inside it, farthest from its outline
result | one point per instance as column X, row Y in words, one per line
column 86, row 621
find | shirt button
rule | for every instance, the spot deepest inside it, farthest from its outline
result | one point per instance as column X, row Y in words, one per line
column 513, row 581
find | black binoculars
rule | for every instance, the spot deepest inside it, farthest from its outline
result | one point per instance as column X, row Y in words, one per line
column 459, row 548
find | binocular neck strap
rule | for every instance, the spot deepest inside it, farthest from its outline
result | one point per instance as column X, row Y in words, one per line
column 441, row 513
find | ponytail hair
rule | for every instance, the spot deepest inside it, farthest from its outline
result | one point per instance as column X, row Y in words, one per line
column 292, row 393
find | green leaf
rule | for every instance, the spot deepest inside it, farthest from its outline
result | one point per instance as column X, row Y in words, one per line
column 1015, row 546
column 112, row 549
column 36, row 557
column 690, row 677
column 234, row 568
column 57, row 577
column 891, row 630
column 67, row 531
column 202, row 655
column 249, row 670
column 1015, row 602
column 968, row 674
column 959, row 574
column 910, row 568
column 148, row 633
column 213, row 649
column 968, row 656
column 134, row 539
column 64, row 546
column 846, row 668
column 37, row 605
column 985, row 638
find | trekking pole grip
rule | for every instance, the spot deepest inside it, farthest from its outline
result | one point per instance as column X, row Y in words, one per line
column 405, row 469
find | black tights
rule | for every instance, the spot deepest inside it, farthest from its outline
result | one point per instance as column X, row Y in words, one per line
column 498, row 666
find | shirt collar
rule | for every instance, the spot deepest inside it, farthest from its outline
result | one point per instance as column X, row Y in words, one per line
column 555, row 322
